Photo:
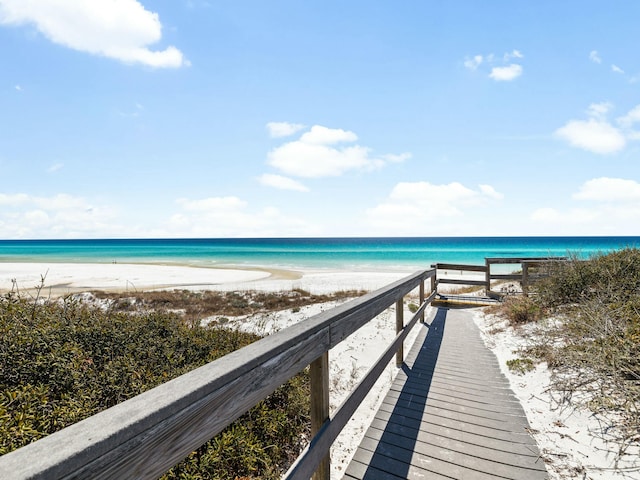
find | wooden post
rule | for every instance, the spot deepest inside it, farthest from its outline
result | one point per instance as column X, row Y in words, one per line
column 525, row 278
column 399, row 327
column 422, row 299
column 487, row 286
column 319, row 373
column 434, row 282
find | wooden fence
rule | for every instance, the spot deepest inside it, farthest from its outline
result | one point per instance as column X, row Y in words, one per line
column 523, row 275
column 145, row 436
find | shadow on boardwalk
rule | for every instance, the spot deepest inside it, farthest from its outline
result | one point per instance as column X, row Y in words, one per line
column 449, row 414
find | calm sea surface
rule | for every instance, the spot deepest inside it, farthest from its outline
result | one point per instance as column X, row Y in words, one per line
column 342, row 253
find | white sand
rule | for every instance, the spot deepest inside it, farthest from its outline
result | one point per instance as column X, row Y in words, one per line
column 568, row 438
column 64, row 278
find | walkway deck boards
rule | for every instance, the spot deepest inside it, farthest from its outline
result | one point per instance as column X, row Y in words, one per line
column 450, row 414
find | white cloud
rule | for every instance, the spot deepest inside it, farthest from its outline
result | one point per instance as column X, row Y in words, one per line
column 514, row 54
column 599, row 110
column 500, row 72
column 232, row 217
column 614, row 209
column 617, row 69
column 320, row 152
column 306, row 160
column 607, row 189
column 597, row 134
column 118, row 29
column 490, row 192
column 573, row 218
column 632, row 117
column 594, row 135
column 283, row 183
column 18, row 88
column 283, row 129
column 506, row 74
column 57, row 216
column 599, row 220
column 212, row 204
column 546, row 214
column 412, row 205
column 397, row 158
column 594, row 56
column 474, row 62
column 319, row 135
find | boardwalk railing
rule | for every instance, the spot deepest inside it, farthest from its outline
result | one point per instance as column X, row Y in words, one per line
column 145, row 436
column 524, row 275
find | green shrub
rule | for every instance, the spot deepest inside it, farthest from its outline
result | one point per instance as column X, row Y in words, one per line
column 520, row 365
column 594, row 344
column 520, row 309
column 62, row 362
column 615, row 276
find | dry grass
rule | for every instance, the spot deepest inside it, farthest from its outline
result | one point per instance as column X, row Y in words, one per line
column 593, row 346
column 196, row 305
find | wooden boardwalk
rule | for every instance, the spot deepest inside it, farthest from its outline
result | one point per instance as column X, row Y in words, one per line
column 450, row 414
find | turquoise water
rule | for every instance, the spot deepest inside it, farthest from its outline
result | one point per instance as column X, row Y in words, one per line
column 343, row 253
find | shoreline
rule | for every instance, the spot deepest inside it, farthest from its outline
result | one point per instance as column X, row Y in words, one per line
column 63, row 278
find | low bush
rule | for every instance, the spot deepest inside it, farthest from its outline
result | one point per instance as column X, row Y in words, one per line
column 521, row 309
column 521, row 366
column 64, row 361
column 593, row 346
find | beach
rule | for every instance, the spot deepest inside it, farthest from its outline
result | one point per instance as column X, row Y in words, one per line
column 567, row 438
column 349, row 360
column 61, row 279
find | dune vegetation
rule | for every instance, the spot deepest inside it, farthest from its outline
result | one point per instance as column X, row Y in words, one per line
column 64, row 360
column 589, row 335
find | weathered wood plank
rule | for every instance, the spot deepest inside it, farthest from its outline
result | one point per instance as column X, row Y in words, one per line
column 506, row 276
column 453, row 281
column 457, row 266
column 507, row 260
column 426, row 430
column 454, row 421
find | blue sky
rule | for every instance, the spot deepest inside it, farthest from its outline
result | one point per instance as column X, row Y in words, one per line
column 193, row 118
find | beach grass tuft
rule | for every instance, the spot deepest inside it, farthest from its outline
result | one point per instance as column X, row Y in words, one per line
column 589, row 335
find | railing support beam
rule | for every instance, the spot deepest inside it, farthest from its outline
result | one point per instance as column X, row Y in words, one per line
column 399, row 327
column 319, row 377
column 487, row 286
column 525, row 278
column 422, row 300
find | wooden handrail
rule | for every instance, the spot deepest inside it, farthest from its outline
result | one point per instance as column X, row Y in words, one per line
column 523, row 277
column 145, row 436
column 311, row 457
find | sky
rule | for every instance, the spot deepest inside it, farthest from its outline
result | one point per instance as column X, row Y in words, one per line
column 291, row 118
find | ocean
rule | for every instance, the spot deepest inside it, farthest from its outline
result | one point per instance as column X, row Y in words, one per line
column 291, row 253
